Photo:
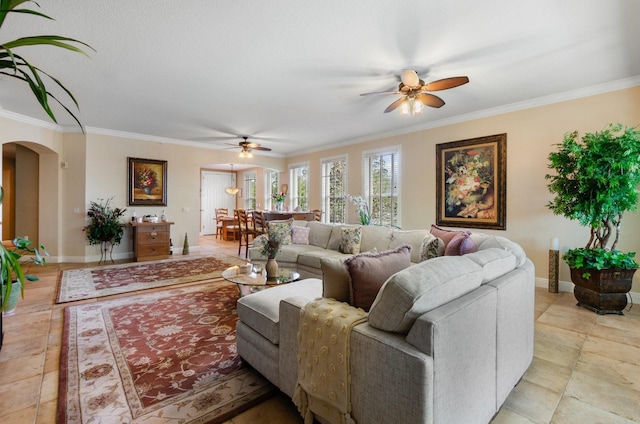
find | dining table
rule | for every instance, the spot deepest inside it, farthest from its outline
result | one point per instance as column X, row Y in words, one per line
column 229, row 228
column 299, row 216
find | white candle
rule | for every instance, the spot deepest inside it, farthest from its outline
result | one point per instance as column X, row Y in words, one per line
column 555, row 243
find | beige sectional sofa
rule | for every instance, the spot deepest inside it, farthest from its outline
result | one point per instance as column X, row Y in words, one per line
column 324, row 241
column 446, row 339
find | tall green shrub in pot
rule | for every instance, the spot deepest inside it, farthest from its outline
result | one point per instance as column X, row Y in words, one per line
column 595, row 182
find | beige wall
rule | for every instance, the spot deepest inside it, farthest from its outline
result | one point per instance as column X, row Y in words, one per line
column 531, row 134
column 97, row 168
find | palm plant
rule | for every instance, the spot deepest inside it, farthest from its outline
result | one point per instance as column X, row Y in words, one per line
column 17, row 66
column 11, row 267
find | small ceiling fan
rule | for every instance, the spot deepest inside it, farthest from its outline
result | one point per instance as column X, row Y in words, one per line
column 415, row 94
column 246, row 148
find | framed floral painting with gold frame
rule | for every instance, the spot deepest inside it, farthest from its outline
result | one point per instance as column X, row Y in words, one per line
column 471, row 178
column 147, row 182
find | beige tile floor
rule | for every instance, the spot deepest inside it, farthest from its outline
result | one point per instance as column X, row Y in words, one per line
column 586, row 367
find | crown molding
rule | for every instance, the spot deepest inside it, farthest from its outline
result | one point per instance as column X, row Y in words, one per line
column 31, row 121
column 512, row 107
column 486, row 113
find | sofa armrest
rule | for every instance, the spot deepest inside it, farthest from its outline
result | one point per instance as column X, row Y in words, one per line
column 391, row 380
column 461, row 338
column 288, row 362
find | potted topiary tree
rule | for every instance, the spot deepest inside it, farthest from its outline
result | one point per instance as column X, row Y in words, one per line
column 596, row 180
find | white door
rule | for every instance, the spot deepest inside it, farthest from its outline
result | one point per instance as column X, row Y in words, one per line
column 213, row 196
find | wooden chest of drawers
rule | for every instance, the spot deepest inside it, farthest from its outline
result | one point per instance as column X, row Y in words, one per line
column 151, row 240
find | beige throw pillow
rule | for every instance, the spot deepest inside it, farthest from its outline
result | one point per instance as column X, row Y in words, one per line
column 335, row 279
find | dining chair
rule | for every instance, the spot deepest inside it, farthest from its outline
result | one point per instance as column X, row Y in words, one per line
column 258, row 223
column 317, row 214
column 220, row 212
column 246, row 230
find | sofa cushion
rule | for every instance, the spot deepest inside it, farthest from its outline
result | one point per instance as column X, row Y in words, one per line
column 319, row 234
column 300, row 235
column 260, row 310
column 460, row 244
column 421, row 288
column 335, row 279
column 413, row 238
column 350, row 239
column 280, row 230
column 375, row 237
column 494, row 262
column 368, row 271
column 485, row 241
column 312, row 256
column 431, row 247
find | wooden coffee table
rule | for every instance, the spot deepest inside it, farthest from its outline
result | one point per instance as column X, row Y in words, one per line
column 251, row 282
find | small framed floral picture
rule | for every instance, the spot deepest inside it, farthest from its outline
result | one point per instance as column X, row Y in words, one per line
column 147, row 182
column 471, row 183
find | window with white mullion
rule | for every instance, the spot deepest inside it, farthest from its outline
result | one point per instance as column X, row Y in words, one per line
column 298, row 193
column 272, row 186
column 250, row 190
column 381, row 186
column 334, row 176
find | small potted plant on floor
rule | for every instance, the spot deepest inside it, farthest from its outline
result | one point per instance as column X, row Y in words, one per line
column 596, row 180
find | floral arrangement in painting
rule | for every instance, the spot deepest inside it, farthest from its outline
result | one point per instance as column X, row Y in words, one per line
column 470, row 183
column 146, row 178
column 363, row 208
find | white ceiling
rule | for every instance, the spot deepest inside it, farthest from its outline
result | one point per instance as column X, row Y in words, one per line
column 288, row 73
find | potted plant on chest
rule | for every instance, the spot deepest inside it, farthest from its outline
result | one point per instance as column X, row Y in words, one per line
column 596, row 181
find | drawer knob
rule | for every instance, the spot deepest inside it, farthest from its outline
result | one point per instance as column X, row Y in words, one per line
column 154, row 234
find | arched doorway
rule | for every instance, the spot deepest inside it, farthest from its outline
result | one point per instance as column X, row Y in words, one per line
column 29, row 179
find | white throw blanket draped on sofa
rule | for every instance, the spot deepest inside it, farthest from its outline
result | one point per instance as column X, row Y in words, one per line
column 323, row 359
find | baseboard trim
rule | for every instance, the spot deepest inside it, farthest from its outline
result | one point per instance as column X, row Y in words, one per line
column 567, row 286
column 116, row 256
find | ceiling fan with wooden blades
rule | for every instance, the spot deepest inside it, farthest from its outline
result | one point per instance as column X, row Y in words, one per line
column 246, row 147
column 415, row 92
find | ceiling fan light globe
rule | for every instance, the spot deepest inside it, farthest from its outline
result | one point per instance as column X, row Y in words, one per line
column 410, row 78
column 418, row 107
column 405, row 108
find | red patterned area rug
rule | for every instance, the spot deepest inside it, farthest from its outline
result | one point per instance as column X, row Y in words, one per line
column 89, row 283
column 166, row 356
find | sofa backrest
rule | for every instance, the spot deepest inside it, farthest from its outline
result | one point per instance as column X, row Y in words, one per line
column 485, row 241
column 414, row 238
column 374, row 237
column 427, row 285
column 319, row 234
column 420, row 288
